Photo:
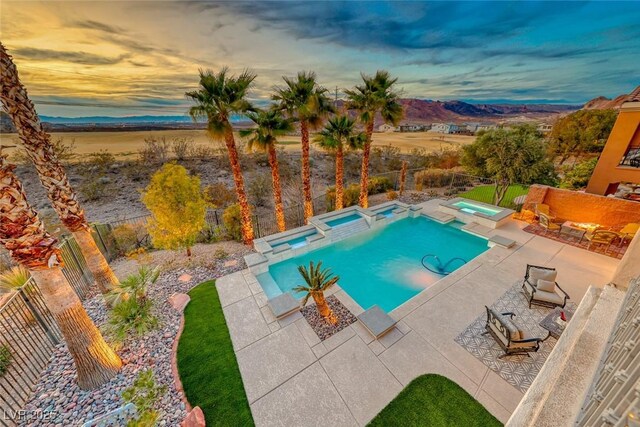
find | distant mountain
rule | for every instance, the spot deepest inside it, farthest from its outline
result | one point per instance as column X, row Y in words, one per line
column 603, row 103
column 123, row 120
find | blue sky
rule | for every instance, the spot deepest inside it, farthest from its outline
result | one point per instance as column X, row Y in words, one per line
column 121, row 58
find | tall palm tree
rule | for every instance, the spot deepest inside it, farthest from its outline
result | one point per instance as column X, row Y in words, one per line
column 271, row 125
column 303, row 99
column 219, row 96
column 51, row 172
column 317, row 282
column 374, row 96
column 338, row 132
column 30, row 245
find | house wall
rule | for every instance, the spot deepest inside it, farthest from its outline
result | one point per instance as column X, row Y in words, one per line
column 584, row 207
column 625, row 133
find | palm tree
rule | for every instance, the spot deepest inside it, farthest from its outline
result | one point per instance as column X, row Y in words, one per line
column 337, row 132
column 219, row 97
column 271, row 124
column 307, row 102
column 51, row 172
column 374, row 96
column 318, row 281
column 30, row 245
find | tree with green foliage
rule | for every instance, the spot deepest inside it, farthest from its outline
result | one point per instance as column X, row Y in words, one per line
column 177, row 207
column 578, row 176
column 376, row 95
column 317, row 281
column 509, row 156
column 270, row 125
column 585, row 131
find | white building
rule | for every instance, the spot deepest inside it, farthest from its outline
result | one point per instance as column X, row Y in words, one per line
column 386, row 128
column 445, row 127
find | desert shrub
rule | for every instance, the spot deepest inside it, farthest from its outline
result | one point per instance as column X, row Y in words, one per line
column 14, row 278
column 132, row 310
column 128, row 237
column 95, row 184
column 259, row 190
column 144, row 393
column 435, row 178
column 219, row 195
column 379, row 184
column 232, row 218
column 202, row 151
column 65, row 152
column 177, row 206
column 181, row 147
column 93, row 189
column 578, row 176
column 155, row 150
column 5, row 359
column 392, row 195
column 220, row 254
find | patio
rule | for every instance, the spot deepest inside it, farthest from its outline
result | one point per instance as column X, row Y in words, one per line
column 351, row 376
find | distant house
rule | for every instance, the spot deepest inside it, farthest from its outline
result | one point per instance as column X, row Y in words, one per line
column 386, row 128
column 544, row 127
column 411, row 128
column 445, row 127
column 486, row 126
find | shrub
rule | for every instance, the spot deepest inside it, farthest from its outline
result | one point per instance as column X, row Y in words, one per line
column 392, row 195
column 135, row 286
column 156, row 150
column 379, row 184
column 144, row 393
column 232, row 222
column 177, row 206
column 220, row 254
column 203, row 152
column 219, row 195
column 93, row 189
column 578, row 176
column 128, row 237
column 259, row 190
column 13, row 279
column 435, row 178
column 5, row 359
column 181, row 147
column 64, row 152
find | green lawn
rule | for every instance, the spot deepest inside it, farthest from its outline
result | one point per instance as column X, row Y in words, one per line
column 484, row 193
column 434, row 401
column 207, row 364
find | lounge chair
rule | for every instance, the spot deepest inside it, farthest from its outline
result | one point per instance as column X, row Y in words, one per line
column 547, row 223
column 628, row 231
column 541, row 288
column 601, row 237
column 508, row 335
column 541, row 208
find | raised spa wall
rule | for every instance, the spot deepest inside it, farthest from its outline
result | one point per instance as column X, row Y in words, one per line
column 491, row 221
column 318, row 233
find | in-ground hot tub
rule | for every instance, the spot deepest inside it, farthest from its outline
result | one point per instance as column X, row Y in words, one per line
column 467, row 211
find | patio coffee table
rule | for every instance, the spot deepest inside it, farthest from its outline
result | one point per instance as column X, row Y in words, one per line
column 569, row 229
column 549, row 322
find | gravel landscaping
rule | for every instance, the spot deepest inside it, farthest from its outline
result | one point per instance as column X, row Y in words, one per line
column 320, row 326
column 57, row 391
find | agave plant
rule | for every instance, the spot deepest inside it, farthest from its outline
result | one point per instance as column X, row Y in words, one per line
column 14, row 278
column 318, row 281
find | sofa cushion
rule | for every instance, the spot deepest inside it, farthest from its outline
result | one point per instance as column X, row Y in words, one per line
column 536, row 274
column 546, row 285
column 512, row 331
column 549, row 297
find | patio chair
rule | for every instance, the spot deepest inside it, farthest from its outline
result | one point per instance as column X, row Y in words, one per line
column 541, row 208
column 628, row 231
column 547, row 223
column 512, row 339
column 601, row 237
column 540, row 287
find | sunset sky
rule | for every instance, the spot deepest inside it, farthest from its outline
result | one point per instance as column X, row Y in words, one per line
column 132, row 58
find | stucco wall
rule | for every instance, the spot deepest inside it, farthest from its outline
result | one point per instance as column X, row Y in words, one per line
column 584, row 207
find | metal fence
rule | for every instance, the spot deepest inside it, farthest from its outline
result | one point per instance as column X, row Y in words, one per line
column 28, row 335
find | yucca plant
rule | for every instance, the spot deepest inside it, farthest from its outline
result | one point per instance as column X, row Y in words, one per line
column 14, row 278
column 317, row 282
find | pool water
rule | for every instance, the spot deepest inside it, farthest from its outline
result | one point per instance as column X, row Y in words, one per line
column 473, row 208
column 343, row 220
column 298, row 242
column 381, row 266
column 388, row 213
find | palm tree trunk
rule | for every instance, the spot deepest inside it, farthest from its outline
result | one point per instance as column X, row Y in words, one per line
column 403, row 176
column 339, row 177
column 323, row 308
column 245, row 210
column 306, row 172
column 96, row 362
column 277, row 189
column 102, row 273
column 364, row 172
column 24, row 236
column 51, row 173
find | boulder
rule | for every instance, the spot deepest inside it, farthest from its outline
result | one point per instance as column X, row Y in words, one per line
column 195, row 418
column 184, row 278
column 179, row 301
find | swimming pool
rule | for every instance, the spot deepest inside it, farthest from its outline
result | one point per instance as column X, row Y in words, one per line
column 381, row 266
column 472, row 208
column 344, row 220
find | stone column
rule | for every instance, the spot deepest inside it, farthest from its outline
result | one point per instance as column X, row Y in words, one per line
column 629, row 267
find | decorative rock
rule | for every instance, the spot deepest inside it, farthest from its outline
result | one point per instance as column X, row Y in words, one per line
column 195, row 418
column 231, row 263
column 179, row 301
column 184, row 278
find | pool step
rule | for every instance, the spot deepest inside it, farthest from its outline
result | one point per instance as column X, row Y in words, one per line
column 477, row 230
column 441, row 217
column 349, row 229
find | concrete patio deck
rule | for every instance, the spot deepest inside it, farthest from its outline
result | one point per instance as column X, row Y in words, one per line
column 351, row 376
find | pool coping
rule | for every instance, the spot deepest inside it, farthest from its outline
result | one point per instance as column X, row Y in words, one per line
column 492, row 221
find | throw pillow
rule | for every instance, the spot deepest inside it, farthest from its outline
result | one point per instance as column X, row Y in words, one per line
column 546, row 285
column 536, row 274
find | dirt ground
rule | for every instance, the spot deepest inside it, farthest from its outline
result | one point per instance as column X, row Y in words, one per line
column 125, row 145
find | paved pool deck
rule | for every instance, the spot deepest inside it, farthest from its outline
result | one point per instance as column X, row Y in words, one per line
column 350, row 377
